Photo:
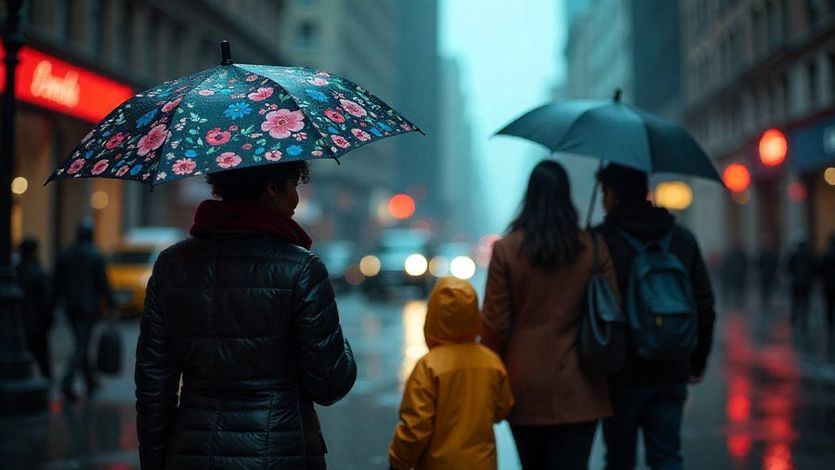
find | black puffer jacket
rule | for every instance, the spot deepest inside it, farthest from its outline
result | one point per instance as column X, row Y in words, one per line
column 647, row 223
column 250, row 323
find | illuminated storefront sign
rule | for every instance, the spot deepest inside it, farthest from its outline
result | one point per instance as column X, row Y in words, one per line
column 49, row 82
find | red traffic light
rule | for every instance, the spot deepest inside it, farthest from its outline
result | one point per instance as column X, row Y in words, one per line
column 401, row 206
column 736, row 177
column 773, row 147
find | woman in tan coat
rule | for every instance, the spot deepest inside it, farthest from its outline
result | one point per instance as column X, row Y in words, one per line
column 536, row 287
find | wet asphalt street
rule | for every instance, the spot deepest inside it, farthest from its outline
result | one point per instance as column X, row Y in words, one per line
column 768, row 400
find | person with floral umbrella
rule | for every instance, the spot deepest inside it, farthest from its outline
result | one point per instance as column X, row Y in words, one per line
column 240, row 336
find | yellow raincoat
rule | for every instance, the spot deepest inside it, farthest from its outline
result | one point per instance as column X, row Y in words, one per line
column 456, row 391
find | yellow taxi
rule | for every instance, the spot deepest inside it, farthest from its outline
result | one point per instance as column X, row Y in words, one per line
column 129, row 266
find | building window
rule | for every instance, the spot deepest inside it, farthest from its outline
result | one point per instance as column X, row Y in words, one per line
column 812, row 11
column 96, row 25
column 785, row 14
column 784, row 86
column 756, row 30
column 64, row 13
column 126, row 35
column 812, row 72
column 831, row 63
column 151, row 43
column 307, row 34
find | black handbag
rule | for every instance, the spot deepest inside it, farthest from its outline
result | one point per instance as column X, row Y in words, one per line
column 603, row 330
column 109, row 354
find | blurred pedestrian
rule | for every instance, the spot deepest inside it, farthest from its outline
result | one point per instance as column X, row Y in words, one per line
column 456, row 392
column 768, row 264
column 650, row 394
column 37, row 308
column 80, row 282
column 827, row 274
column 535, row 296
column 801, row 270
column 735, row 274
column 243, row 315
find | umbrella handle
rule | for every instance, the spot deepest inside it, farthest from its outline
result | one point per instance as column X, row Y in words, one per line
column 225, row 53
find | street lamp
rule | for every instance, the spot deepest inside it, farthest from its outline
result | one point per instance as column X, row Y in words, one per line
column 20, row 390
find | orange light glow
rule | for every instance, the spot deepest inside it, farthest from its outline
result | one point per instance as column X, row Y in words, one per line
column 736, row 177
column 773, row 147
column 401, row 206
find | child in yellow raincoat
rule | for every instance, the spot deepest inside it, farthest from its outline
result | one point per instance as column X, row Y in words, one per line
column 456, row 392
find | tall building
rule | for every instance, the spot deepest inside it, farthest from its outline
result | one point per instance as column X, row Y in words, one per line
column 82, row 58
column 750, row 66
column 390, row 48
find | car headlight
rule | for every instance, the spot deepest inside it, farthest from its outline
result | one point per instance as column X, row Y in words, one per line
column 370, row 266
column 462, row 267
column 415, row 265
column 439, row 266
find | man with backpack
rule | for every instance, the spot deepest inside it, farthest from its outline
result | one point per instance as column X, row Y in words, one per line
column 668, row 303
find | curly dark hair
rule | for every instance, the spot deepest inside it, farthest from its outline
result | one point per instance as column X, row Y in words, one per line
column 247, row 184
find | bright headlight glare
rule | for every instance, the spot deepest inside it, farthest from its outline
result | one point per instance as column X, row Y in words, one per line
column 370, row 266
column 462, row 267
column 416, row 265
column 439, row 266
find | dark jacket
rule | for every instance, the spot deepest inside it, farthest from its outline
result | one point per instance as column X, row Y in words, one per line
column 36, row 309
column 827, row 271
column 250, row 323
column 80, row 280
column 647, row 223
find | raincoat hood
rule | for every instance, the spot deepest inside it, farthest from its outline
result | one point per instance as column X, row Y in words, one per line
column 453, row 315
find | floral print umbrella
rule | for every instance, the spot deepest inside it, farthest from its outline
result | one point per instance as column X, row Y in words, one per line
column 228, row 117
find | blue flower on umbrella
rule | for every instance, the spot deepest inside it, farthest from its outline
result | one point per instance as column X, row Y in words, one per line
column 237, row 110
column 136, row 170
column 146, row 118
column 191, row 153
column 376, row 132
column 294, row 150
column 384, row 126
column 317, row 95
column 260, row 151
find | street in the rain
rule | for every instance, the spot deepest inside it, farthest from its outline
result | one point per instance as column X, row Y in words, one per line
column 768, row 400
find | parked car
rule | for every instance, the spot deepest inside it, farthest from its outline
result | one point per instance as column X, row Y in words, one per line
column 400, row 259
column 129, row 266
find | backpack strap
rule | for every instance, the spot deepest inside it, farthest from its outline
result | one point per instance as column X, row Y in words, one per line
column 595, row 267
column 636, row 244
column 665, row 241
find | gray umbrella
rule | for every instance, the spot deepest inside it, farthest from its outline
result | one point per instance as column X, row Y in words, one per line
column 617, row 133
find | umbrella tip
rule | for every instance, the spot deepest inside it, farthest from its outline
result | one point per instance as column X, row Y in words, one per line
column 617, row 95
column 225, row 53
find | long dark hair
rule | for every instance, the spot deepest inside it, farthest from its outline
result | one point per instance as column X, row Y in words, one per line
column 548, row 218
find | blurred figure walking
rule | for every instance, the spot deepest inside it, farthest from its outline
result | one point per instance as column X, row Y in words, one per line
column 650, row 394
column 535, row 297
column 37, row 309
column 456, row 392
column 735, row 275
column 768, row 264
column 801, row 270
column 80, row 281
column 827, row 274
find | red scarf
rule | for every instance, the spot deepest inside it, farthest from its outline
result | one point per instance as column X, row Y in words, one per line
column 214, row 216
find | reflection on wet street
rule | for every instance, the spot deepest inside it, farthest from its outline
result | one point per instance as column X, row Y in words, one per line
column 768, row 400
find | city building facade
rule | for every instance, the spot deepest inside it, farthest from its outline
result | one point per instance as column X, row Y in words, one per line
column 752, row 66
column 84, row 54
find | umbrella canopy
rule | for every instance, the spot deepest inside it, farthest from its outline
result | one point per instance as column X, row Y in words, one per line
column 228, row 117
column 615, row 132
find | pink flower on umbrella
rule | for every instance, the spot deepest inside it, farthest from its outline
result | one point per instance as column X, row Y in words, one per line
column 246, row 146
column 251, row 77
column 406, row 127
column 340, row 141
column 334, row 116
column 115, row 140
column 206, row 92
column 152, row 140
column 361, row 134
column 217, row 136
column 122, row 170
column 260, row 95
column 76, row 166
column 99, row 167
column 353, row 108
column 228, row 160
column 281, row 123
column 317, row 81
column 273, row 156
column 184, row 166
column 171, row 105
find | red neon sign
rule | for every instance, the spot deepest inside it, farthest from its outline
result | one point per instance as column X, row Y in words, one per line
column 49, row 82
